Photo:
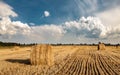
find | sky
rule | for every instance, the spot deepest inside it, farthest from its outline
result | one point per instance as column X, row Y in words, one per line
column 60, row 21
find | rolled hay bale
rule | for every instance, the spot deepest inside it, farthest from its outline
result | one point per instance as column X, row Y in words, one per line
column 101, row 46
column 42, row 55
column 15, row 48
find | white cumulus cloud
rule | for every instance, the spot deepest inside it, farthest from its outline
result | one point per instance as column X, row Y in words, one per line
column 92, row 27
column 6, row 10
column 75, row 31
column 13, row 27
column 110, row 16
column 46, row 13
column 47, row 33
column 8, row 27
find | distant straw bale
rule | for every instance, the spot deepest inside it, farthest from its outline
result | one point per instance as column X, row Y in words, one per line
column 101, row 46
column 42, row 55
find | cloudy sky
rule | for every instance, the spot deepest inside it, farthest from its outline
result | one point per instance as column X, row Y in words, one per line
column 60, row 21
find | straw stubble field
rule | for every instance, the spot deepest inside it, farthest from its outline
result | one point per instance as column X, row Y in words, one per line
column 68, row 60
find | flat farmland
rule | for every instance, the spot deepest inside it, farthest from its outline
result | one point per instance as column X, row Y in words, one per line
column 69, row 60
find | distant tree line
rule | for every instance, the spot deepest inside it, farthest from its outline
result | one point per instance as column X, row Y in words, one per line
column 14, row 44
column 107, row 44
column 58, row 44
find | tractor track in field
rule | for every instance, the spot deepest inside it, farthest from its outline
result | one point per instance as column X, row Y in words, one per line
column 90, row 63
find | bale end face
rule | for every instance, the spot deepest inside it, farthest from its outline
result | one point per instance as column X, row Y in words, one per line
column 42, row 55
column 101, row 46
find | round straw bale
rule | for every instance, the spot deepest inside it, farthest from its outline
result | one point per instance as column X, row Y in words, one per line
column 42, row 55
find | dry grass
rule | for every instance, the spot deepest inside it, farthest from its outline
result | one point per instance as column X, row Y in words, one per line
column 15, row 48
column 68, row 60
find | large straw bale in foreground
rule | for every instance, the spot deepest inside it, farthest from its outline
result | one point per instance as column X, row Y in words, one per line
column 101, row 46
column 42, row 55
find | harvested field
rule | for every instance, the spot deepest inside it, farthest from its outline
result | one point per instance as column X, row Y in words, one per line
column 69, row 60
